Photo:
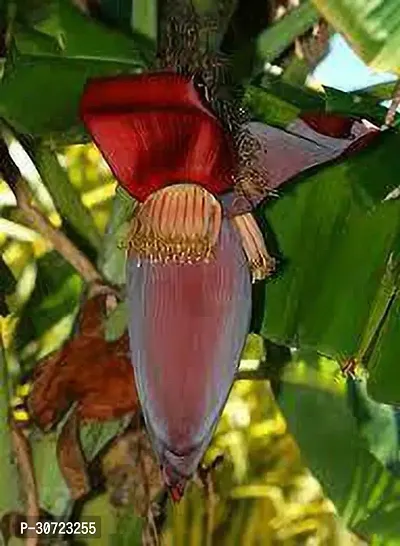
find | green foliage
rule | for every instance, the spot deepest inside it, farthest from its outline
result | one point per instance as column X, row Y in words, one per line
column 112, row 261
column 55, row 67
column 382, row 91
column 144, row 18
column 120, row 528
column 53, row 491
column 354, row 105
column 117, row 13
column 9, row 480
column 273, row 41
column 318, row 226
column 372, row 27
column 315, row 406
column 7, row 286
column 54, row 300
column 55, row 496
column 65, row 196
column 377, row 424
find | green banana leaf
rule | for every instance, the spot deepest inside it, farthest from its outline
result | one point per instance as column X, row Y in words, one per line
column 54, row 300
column 315, row 407
column 337, row 239
column 378, row 424
column 372, row 27
column 54, row 66
column 10, row 500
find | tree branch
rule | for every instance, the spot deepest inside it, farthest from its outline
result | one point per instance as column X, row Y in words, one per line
column 59, row 241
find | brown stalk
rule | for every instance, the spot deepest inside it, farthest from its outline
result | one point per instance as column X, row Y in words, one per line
column 391, row 113
column 23, row 454
column 59, row 241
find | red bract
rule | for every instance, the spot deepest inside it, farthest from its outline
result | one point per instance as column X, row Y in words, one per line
column 154, row 131
column 309, row 141
column 188, row 324
column 331, row 125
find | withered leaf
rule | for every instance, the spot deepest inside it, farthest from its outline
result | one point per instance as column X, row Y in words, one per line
column 88, row 370
column 70, row 458
column 132, row 473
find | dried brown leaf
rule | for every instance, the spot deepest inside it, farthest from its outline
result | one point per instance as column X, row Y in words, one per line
column 95, row 374
column 132, row 472
column 71, row 460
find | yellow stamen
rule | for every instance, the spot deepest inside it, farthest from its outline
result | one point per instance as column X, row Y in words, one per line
column 179, row 223
column 261, row 263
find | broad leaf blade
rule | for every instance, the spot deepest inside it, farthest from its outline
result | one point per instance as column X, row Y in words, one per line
column 117, row 322
column 85, row 37
column 54, row 495
column 365, row 494
column 47, row 113
column 353, row 105
column 384, row 371
column 372, row 28
column 77, row 35
column 119, row 528
column 377, row 424
column 378, row 91
column 113, row 258
column 331, row 272
column 144, row 18
column 73, row 49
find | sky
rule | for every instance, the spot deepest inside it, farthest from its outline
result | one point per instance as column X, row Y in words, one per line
column 344, row 70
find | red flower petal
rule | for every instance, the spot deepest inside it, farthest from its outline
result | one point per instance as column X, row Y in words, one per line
column 153, row 131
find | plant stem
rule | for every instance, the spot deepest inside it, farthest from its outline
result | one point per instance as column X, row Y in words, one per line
column 60, row 242
column 23, row 454
column 273, row 41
